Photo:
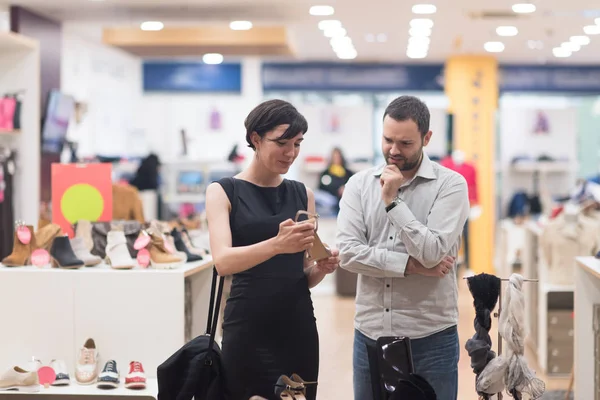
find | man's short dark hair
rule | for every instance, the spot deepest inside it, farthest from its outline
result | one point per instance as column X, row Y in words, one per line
column 270, row 114
column 406, row 108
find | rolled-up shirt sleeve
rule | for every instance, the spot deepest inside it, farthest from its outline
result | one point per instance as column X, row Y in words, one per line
column 355, row 253
column 430, row 243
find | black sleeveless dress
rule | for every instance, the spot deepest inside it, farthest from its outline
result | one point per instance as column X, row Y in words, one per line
column 269, row 327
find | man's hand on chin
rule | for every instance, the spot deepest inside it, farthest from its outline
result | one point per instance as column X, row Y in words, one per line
column 391, row 179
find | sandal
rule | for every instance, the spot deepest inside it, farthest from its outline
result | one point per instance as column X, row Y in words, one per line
column 291, row 389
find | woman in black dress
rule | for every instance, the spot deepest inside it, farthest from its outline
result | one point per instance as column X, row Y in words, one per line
column 269, row 328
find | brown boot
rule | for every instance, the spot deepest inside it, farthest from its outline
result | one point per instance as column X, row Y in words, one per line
column 160, row 258
column 21, row 252
column 45, row 236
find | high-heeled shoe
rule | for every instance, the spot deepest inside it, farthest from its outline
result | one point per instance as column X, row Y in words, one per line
column 180, row 246
column 21, row 253
column 160, row 258
column 291, row 389
column 62, row 255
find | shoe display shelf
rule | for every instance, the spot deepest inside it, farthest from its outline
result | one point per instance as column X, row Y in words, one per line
column 81, row 392
column 548, row 307
column 20, row 73
column 587, row 328
column 138, row 314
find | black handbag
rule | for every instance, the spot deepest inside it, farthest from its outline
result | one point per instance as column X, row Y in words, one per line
column 195, row 370
column 392, row 371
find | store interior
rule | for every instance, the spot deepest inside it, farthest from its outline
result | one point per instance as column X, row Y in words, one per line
column 115, row 116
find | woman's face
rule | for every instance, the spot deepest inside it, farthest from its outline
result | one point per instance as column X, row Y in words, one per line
column 336, row 157
column 277, row 154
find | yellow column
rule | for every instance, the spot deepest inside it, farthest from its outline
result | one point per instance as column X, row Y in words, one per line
column 471, row 84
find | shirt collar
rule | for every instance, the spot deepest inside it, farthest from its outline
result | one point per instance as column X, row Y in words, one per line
column 425, row 169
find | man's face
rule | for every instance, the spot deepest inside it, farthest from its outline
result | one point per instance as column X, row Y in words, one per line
column 402, row 143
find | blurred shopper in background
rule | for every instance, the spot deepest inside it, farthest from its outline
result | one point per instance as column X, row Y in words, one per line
column 333, row 180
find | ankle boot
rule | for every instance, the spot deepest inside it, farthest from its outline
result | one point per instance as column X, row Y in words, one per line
column 21, row 253
column 180, row 246
column 82, row 253
column 160, row 258
column 62, row 254
column 46, row 235
column 117, row 253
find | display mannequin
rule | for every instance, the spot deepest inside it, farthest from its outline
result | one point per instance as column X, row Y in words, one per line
column 457, row 162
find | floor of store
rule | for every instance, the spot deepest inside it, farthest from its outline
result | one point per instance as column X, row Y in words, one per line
column 335, row 317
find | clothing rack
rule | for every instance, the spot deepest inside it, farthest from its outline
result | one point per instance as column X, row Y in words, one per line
column 497, row 315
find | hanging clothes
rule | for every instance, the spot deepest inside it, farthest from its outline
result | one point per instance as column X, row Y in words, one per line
column 7, row 218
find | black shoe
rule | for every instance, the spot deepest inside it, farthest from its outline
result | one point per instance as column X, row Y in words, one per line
column 180, row 246
column 62, row 254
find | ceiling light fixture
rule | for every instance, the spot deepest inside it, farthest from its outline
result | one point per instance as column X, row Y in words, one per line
column 592, row 30
column 321, row 10
column 240, row 25
column 212, row 58
column 419, row 41
column 561, row 52
column 416, row 55
column 419, row 31
column 580, row 40
column 523, row 8
column 347, row 54
column 507, row 31
column 572, row 47
column 424, row 9
column 152, row 26
column 329, row 24
column 421, row 23
column 494, row 47
column 334, row 32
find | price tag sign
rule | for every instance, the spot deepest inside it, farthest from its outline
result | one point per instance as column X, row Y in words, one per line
column 40, row 258
column 24, row 234
column 143, row 258
column 46, row 375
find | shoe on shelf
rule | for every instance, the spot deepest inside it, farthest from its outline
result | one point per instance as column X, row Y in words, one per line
column 34, row 365
column 109, row 377
column 181, row 246
column 46, row 235
column 20, row 380
column 117, row 253
column 136, row 378
column 86, row 371
column 81, row 252
column 192, row 246
column 62, row 254
column 160, row 258
column 21, row 253
column 62, row 373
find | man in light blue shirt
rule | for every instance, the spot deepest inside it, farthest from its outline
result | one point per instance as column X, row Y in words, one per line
column 399, row 228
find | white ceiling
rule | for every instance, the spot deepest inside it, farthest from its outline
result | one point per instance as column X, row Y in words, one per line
column 554, row 22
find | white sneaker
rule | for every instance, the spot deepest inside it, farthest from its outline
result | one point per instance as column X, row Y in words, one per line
column 20, row 380
column 62, row 373
column 86, row 371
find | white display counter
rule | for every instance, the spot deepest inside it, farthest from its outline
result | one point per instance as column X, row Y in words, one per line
column 587, row 295
column 133, row 315
column 79, row 392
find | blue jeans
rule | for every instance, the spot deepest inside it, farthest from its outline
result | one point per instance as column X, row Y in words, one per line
column 435, row 358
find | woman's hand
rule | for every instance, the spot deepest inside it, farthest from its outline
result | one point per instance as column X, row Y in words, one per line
column 328, row 265
column 294, row 237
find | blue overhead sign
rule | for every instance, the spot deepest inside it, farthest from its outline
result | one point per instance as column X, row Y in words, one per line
column 354, row 77
column 547, row 78
column 175, row 76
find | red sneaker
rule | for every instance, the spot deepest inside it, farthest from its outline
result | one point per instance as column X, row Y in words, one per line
column 136, row 378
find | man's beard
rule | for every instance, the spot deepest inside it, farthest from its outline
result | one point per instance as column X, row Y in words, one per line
column 408, row 165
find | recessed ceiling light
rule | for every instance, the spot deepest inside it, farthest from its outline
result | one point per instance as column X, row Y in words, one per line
column 370, row 38
column 212, row 58
column 592, row 30
column 424, row 9
column 572, row 47
column 580, row 40
column 523, row 8
column 341, row 43
column 419, row 40
column 321, row 10
column 152, row 26
column 329, row 23
column 382, row 37
column 561, row 52
column 507, row 31
column 421, row 23
column 417, row 48
column 419, row 31
column 416, row 53
column 348, row 54
column 334, row 32
column 240, row 25
column 494, row 47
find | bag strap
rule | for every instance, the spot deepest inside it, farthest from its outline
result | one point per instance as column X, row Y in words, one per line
column 211, row 324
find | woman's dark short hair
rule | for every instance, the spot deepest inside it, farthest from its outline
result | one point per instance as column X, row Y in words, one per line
column 270, row 114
